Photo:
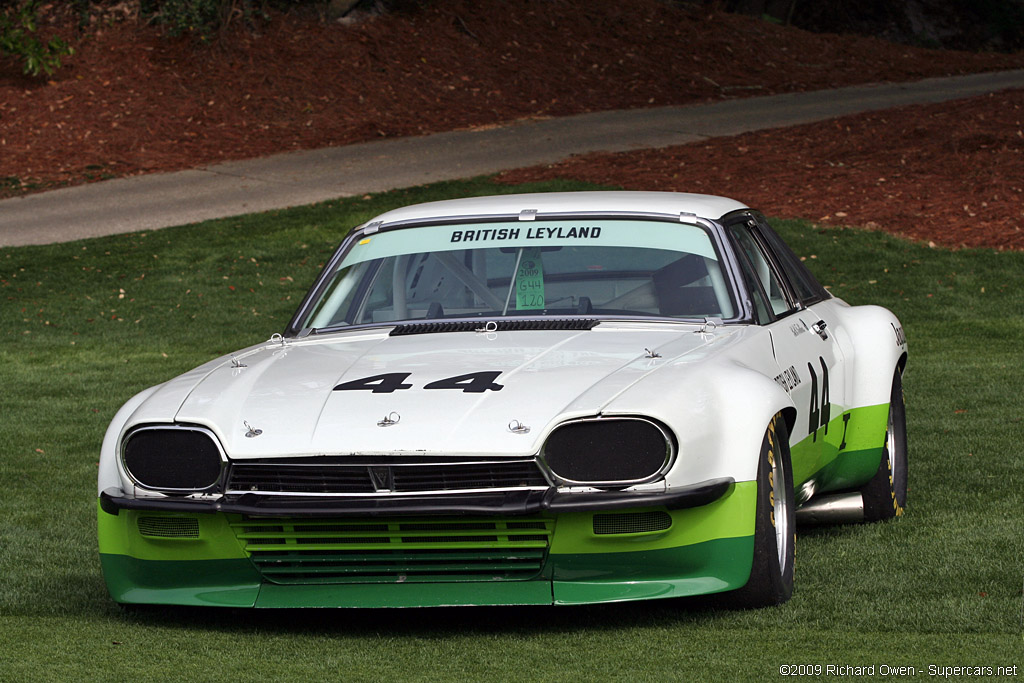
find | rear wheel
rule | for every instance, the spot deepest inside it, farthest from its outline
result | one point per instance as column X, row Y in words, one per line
column 886, row 494
column 771, row 576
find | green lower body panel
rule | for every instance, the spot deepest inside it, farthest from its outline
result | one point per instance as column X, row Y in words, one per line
column 627, row 555
column 845, row 453
column 173, row 559
column 531, row 592
column 709, row 567
column 216, row 583
column 573, row 558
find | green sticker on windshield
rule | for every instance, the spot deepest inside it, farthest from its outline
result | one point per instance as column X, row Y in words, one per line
column 530, row 280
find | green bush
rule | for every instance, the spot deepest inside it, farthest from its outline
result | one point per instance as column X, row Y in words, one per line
column 18, row 28
column 202, row 19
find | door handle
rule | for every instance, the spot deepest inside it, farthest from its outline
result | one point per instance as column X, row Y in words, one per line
column 819, row 327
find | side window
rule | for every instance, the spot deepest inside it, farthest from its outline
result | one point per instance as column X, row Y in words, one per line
column 804, row 286
column 754, row 287
column 763, row 270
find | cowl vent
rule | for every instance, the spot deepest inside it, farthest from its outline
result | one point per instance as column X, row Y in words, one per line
column 495, row 325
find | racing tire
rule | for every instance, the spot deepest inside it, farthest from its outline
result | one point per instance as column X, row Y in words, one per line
column 771, row 573
column 885, row 496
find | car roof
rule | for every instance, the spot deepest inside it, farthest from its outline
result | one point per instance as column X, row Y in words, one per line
column 599, row 203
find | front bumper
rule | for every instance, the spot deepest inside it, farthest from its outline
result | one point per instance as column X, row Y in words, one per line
column 429, row 551
column 524, row 502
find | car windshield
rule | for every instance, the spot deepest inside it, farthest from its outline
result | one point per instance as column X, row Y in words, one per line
column 620, row 268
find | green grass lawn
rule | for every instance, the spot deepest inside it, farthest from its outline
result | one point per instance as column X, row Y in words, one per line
column 87, row 324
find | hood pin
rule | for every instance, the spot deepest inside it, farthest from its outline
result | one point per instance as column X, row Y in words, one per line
column 489, row 327
column 391, row 418
column 714, row 323
column 252, row 433
column 517, row 427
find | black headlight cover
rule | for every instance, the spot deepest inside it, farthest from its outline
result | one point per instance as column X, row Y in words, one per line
column 608, row 451
column 175, row 459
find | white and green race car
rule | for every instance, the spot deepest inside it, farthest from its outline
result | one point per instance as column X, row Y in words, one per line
column 529, row 399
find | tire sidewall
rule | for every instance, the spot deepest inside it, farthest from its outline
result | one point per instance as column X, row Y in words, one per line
column 782, row 576
column 885, row 496
column 771, row 580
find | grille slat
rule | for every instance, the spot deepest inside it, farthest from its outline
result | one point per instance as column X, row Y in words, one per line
column 338, row 569
column 317, row 551
column 391, row 558
column 426, row 533
column 462, row 545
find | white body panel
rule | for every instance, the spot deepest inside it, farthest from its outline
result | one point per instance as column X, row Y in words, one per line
column 287, row 392
column 666, row 203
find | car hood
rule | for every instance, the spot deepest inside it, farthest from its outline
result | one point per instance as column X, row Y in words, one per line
column 279, row 399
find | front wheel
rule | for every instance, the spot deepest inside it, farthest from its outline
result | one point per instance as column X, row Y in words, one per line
column 771, row 575
column 886, row 494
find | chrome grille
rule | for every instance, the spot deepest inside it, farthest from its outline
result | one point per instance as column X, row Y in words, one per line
column 299, row 479
column 485, row 476
column 333, row 476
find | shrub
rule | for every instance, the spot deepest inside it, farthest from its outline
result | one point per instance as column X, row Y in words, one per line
column 202, row 19
column 18, row 28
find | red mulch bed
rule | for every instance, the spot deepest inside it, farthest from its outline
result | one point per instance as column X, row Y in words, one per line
column 131, row 101
column 951, row 174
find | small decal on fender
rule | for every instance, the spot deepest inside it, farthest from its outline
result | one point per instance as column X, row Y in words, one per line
column 901, row 339
column 788, row 379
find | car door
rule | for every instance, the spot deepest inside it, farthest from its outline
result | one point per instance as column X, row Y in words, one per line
column 799, row 317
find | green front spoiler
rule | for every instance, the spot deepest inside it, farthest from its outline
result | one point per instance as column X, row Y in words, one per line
column 703, row 550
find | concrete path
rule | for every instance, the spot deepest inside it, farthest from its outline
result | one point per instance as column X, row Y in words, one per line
column 156, row 201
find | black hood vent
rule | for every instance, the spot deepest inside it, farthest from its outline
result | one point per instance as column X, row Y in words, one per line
column 507, row 325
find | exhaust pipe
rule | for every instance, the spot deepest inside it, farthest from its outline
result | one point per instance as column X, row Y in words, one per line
column 842, row 508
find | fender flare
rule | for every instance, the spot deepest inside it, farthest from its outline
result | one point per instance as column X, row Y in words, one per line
column 875, row 347
column 720, row 415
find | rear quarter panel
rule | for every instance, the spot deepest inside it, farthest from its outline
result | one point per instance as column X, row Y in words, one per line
column 875, row 346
